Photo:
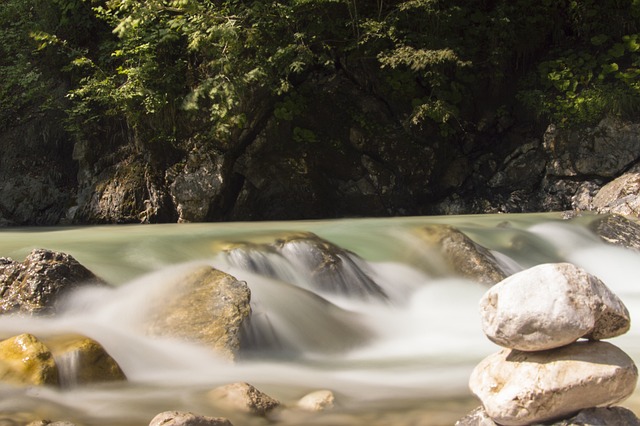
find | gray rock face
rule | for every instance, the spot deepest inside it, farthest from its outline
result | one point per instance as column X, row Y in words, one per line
column 464, row 256
column 617, row 230
column 521, row 388
column 605, row 150
column 207, row 307
column 181, row 418
column 195, row 185
column 549, row 306
column 126, row 192
column 35, row 285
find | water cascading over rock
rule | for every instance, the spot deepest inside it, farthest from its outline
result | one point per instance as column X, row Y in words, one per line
column 545, row 373
column 308, row 261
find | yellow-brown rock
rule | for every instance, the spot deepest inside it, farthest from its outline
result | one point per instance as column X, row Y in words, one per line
column 25, row 360
column 207, row 306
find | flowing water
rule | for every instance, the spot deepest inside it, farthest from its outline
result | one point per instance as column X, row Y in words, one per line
column 402, row 359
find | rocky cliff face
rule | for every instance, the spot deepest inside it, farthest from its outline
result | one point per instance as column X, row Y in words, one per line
column 344, row 154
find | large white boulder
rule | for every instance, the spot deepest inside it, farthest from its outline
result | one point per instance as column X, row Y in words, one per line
column 549, row 306
column 520, row 388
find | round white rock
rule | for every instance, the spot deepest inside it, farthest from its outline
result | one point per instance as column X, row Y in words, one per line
column 549, row 306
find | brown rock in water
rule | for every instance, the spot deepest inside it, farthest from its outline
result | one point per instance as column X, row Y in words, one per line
column 617, row 230
column 520, row 388
column 82, row 360
column 24, row 360
column 244, row 397
column 181, row 418
column 35, row 285
column 207, row 307
column 465, row 257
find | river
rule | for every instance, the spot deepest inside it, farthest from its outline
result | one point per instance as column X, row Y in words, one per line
column 412, row 369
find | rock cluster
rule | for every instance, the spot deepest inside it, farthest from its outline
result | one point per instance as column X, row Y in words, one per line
column 546, row 371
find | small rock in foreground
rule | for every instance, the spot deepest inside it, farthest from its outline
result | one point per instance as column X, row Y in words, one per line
column 244, row 397
column 317, row 401
column 181, row 418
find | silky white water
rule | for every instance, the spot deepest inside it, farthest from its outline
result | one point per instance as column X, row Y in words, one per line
column 405, row 359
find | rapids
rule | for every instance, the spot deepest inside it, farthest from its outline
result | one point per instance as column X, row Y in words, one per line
column 401, row 360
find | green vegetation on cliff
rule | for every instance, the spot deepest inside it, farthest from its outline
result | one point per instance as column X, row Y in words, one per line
column 172, row 69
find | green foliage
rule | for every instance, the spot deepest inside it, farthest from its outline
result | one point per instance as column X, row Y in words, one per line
column 21, row 81
column 598, row 75
column 170, row 69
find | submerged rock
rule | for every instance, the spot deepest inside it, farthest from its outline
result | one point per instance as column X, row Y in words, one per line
column 322, row 265
column 617, row 230
column 598, row 416
column 25, row 360
column 37, row 284
column 464, row 256
column 181, row 418
column 207, row 307
column 244, row 397
column 521, row 388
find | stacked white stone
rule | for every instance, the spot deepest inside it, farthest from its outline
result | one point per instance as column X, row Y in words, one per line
column 550, row 319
